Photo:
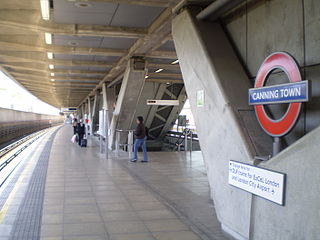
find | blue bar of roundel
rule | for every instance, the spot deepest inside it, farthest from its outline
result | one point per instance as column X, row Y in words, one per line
column 284, row 93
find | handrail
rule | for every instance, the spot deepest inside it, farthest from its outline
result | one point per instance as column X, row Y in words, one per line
column 183, row 137
column 178, row 134
column 129, row 145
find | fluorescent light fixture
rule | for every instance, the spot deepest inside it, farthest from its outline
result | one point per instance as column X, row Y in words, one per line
column 52, row 80
column 146, row 76
column 48, row 38
column 50, row 55
column 175, row 62
column 52, row 74
column 45, row 9
column 51, row 66
column 159, row 70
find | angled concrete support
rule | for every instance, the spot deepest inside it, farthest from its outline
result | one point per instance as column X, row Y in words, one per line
column 89, row 116
column 160, row 119
column 95, row 103
column 82, row 111
column 108, row 100
column 209, row 64
column 149, row 91
column 131, row 88
column 174, row 112
column 95, row 112
column 153, row 109
column 86, row 108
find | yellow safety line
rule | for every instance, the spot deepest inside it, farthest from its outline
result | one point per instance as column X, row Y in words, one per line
column 10, row 199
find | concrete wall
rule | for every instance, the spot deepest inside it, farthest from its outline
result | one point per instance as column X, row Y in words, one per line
column 15, row 124
column 299, row 218
column 9, row 115
column 259, row 28
column 226, row 126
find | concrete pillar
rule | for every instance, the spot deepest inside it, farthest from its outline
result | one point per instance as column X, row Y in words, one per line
column 209, row 64
column 131, row 88
column 108, row 99
column 86, row 108
column 82, row 111
column 88, row 126
column 104, row 97
column 95, row 115
column 90, row 114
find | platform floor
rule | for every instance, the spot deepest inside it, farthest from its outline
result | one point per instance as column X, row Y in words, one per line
column 86, row 196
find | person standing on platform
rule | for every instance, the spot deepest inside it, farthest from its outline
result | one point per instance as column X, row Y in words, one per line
column 80, row 131
column 141, row 138
column 74, row 125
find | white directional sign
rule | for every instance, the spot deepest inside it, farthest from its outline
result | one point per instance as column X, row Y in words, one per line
column 261, row 182
column 163, row 102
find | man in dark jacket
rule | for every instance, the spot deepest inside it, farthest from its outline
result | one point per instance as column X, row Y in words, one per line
column 80, row 131
column 141, row 139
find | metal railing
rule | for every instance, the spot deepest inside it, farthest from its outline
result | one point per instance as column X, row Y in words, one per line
column 182, row 140
column 128, row 146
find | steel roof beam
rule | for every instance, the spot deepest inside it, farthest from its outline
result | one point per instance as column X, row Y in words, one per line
column 14, row 57
column 68, row 29
column 31, row 76
column 10, row 46
column 165, row 75
column 158, row 31
column 164, row 80
column 163, row 66
column 43, row 72
column 150, row 3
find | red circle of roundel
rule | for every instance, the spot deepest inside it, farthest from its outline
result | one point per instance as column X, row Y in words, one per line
column 285, row 62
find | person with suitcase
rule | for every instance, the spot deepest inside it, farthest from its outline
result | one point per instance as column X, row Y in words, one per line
column 83, row 141
column 81, row 134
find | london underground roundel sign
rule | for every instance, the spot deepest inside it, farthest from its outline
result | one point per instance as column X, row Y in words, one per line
column 293, row 93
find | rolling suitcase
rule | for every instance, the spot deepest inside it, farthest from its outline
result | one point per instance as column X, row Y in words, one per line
column 83, row 143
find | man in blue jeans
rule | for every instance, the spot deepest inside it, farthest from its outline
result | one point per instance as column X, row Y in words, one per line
column 141, row 137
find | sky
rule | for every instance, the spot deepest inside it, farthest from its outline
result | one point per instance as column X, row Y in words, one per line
column 13, row 96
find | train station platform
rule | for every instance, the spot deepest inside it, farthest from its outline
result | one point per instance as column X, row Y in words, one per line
column 61, row 191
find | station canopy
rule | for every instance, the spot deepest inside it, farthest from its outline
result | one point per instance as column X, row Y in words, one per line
column 62, row 51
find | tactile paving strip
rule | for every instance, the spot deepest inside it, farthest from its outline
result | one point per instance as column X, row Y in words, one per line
column 6, row 192
column 27, row 225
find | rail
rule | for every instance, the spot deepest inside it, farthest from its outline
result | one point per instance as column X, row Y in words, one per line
column 175, row 134
column 10, row 148
column 182, row 139
column 128, row 145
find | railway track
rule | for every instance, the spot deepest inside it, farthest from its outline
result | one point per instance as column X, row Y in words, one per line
column 12, row 151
